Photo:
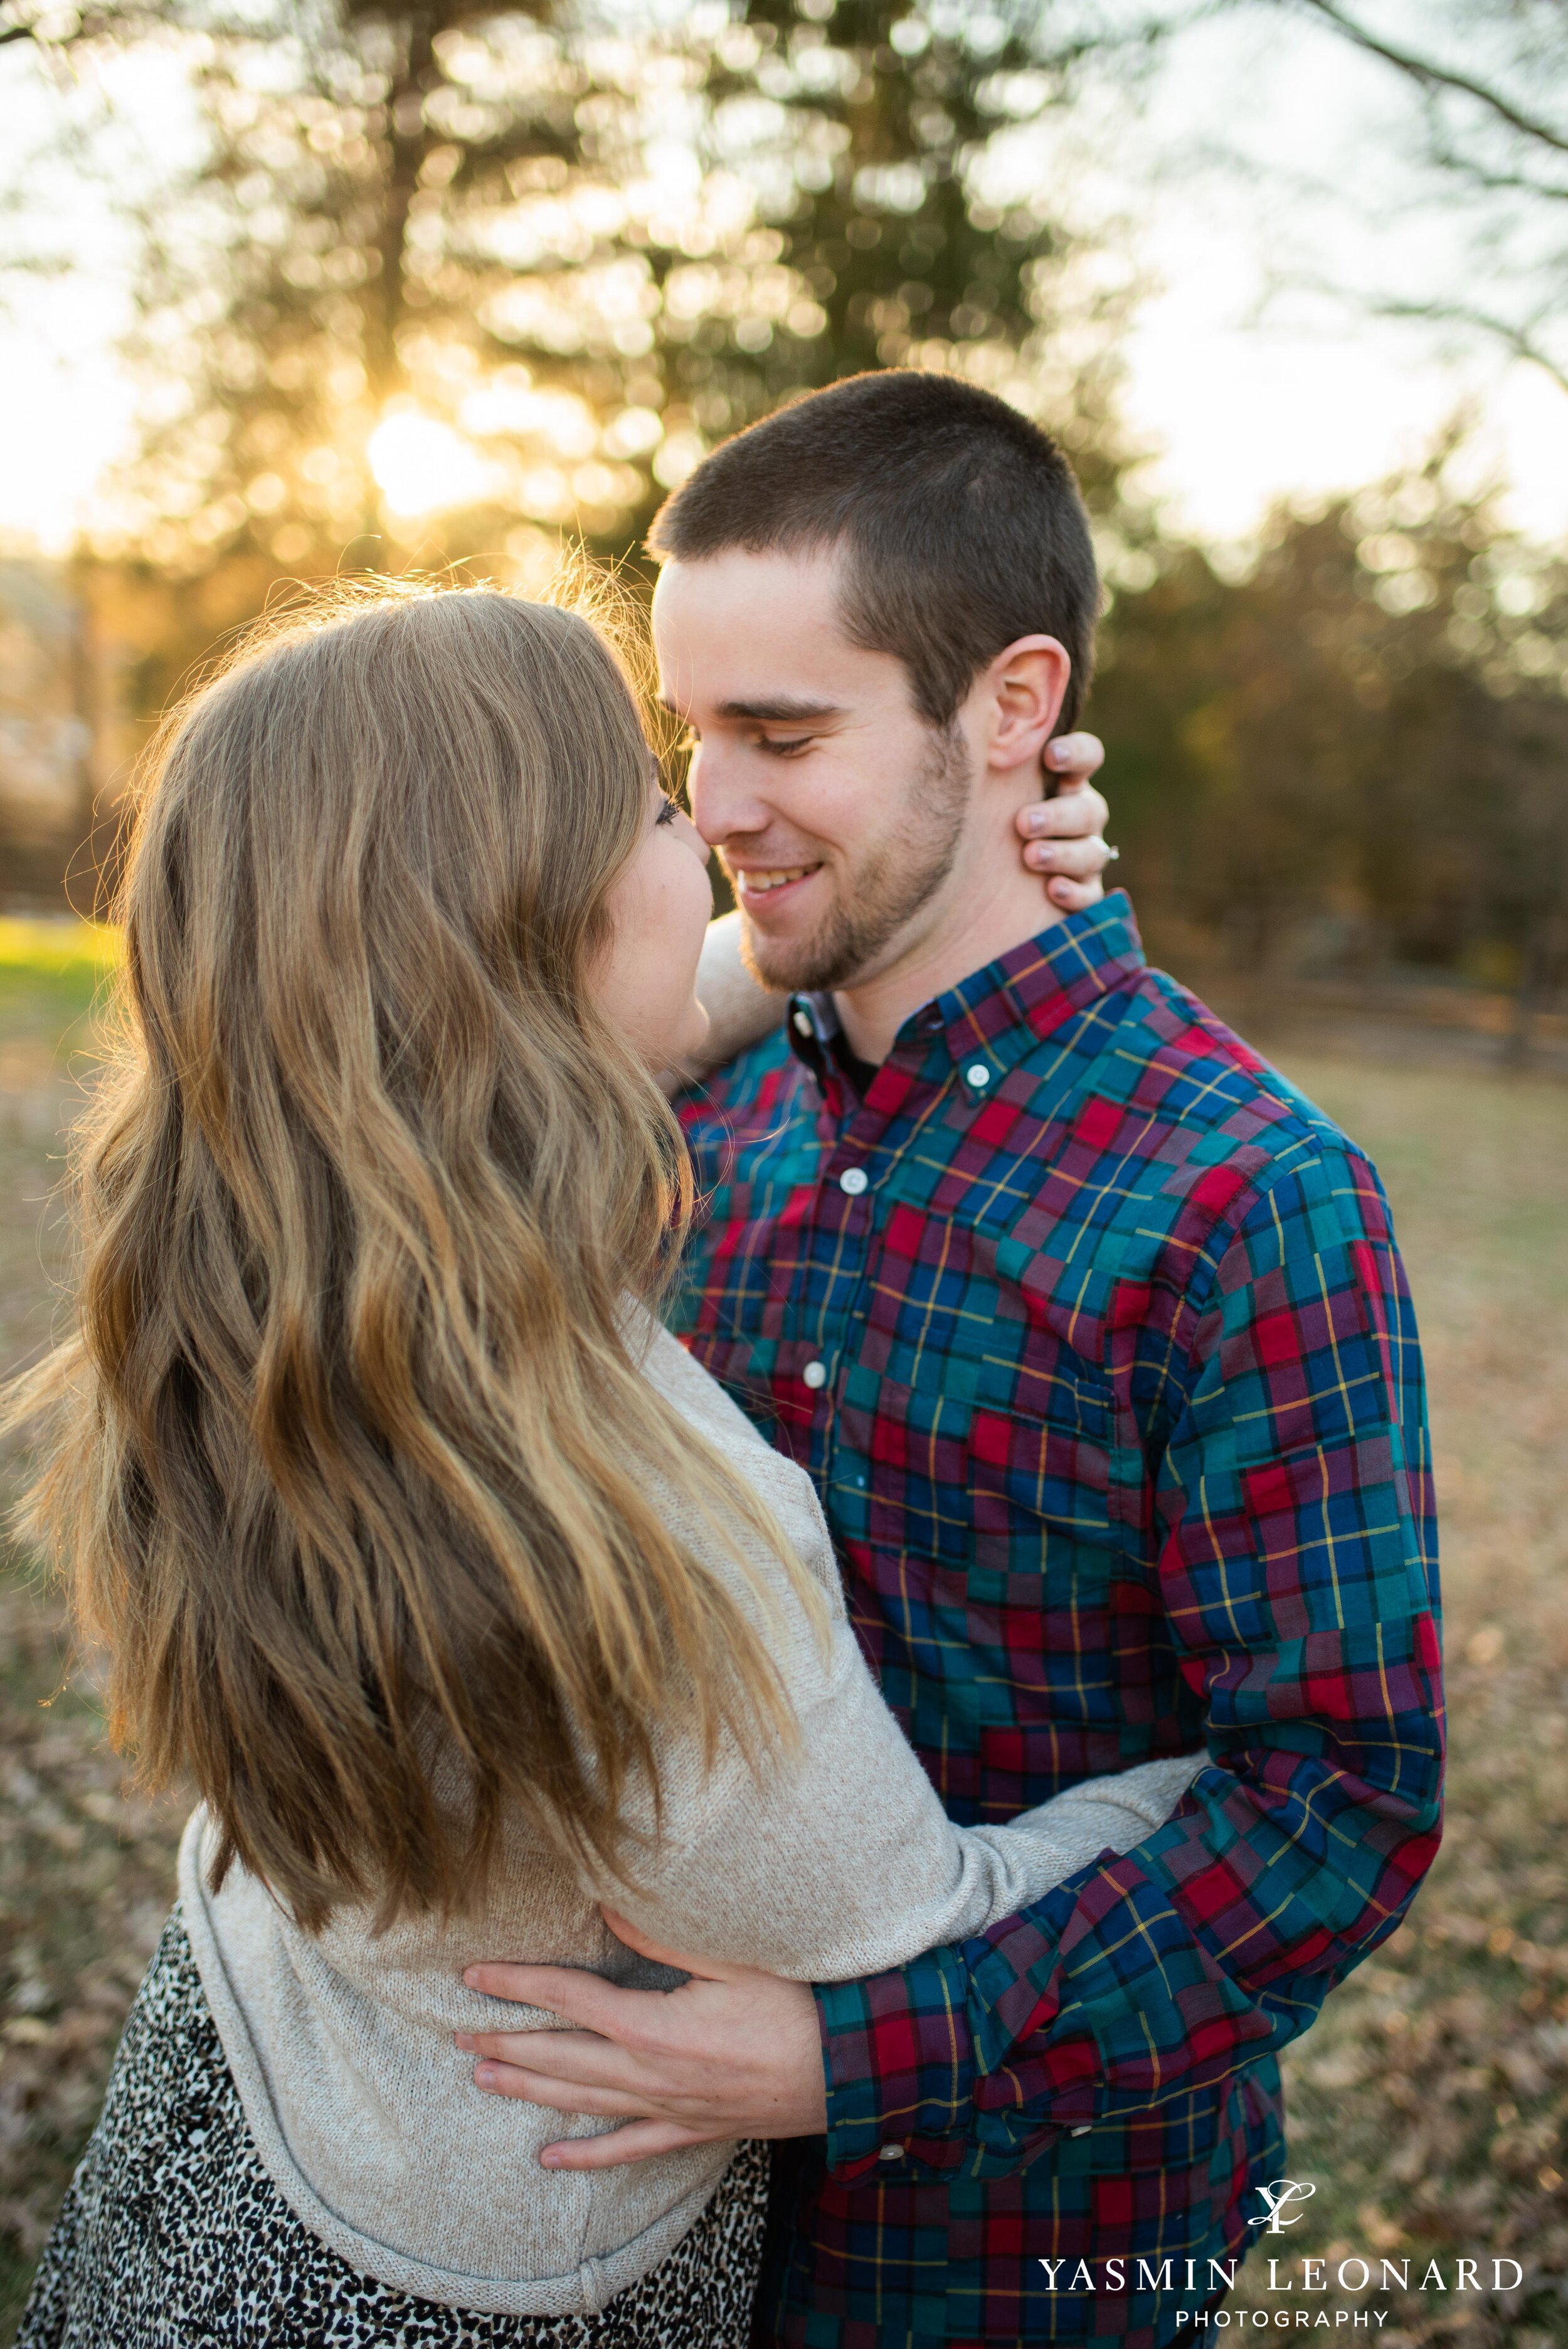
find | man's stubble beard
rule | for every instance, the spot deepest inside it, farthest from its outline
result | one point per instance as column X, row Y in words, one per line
column 890, row 891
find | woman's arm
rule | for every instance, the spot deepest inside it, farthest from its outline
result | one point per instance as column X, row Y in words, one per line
column 819, row 1864
column 800, row 1869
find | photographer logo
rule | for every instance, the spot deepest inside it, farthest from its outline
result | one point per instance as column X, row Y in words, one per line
column 1277, row 2199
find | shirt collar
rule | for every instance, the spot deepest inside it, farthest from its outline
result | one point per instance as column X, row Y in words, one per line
column 993, row 1016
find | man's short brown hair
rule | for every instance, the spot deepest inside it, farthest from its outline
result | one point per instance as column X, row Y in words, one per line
column 960, row 521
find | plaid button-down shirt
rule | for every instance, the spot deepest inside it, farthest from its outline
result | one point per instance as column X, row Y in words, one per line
column 1091, row 1331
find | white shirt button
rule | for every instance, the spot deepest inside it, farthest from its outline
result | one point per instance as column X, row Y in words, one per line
column 977, row 1074
column 802, row 1023
column 853, row 1180
column 891, row 2153
column 815, row 1375
column 1083, row 2131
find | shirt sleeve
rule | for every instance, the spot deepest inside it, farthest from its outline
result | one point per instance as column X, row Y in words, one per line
column 1293, row 1529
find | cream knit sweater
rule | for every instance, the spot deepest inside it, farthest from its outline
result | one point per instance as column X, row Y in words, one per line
column 834, row 1862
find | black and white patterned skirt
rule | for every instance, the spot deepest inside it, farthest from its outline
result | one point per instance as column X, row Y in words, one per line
column 173, row 2235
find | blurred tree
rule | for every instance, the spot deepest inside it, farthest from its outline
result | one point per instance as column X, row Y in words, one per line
column 46, row 730
column 446, row 278
column 1355, row 754
column 453, row 281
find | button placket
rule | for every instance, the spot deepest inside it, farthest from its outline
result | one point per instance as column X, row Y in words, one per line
column 853, row 1182
column 842, row 1315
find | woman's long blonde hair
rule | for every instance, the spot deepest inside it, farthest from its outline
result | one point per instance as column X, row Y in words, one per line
column 346, row 1458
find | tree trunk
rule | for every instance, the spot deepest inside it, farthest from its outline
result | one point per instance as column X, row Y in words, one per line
column 385, row 302
column 83, row 872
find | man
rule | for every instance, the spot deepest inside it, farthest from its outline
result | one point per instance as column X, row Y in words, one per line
column 1091, row 1331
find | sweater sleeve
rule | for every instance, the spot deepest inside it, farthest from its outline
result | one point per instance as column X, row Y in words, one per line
column 837, row 1860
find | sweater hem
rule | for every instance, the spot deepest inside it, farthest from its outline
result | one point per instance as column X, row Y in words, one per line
column 582, row 2292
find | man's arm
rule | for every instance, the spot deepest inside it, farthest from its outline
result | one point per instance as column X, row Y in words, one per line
column 1296, row 1559
column 734, row 2051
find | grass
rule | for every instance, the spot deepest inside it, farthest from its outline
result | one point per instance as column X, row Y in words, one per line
column 50, row 947
column 50, row 974
column 1429, row 2105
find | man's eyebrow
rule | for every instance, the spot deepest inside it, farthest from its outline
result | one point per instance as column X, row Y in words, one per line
column 780, row 709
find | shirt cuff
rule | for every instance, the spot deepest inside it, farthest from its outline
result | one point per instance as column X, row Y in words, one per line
column 899, row 2067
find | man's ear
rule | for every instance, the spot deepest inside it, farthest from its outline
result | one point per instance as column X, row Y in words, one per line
column 1027, row 686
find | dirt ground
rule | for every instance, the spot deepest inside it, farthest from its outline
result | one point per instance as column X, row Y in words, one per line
column 1429, row 2105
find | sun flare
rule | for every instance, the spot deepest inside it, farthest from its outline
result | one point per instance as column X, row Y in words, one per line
column 422, row 465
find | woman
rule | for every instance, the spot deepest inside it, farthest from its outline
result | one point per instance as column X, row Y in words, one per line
column 464, row 1596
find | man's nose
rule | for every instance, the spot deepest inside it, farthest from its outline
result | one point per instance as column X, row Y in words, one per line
column 725, row 802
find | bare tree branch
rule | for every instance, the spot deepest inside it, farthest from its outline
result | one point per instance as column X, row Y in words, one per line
column 1519, row 339
column 1445, row 155
column 1434, row 76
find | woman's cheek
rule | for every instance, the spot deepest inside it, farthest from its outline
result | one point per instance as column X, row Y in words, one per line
column 690, row 910
column 699, row 883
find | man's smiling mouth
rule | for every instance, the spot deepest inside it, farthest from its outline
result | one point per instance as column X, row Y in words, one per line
column 757, row 885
